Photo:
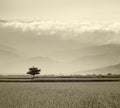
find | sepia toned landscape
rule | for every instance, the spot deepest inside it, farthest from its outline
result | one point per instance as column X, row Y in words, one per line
column 59, row 53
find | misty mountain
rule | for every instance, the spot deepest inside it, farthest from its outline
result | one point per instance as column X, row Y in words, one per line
column 114, row 69
column 41, row 60
column 48, row 65
column 96, row 61
column 9, row 55
column 98, row 56
column 75, row 54
column 56, row 49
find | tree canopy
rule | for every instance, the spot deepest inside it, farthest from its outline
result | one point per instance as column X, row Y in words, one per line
column 34, row 71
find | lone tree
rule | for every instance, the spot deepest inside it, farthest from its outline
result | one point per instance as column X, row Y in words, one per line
column 33, row 71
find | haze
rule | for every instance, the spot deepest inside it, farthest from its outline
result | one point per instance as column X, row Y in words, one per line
column 60, row 36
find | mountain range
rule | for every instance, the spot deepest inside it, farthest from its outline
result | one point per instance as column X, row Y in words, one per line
column 57, row 52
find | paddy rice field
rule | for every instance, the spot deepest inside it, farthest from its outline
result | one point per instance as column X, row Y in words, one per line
column 60, row 95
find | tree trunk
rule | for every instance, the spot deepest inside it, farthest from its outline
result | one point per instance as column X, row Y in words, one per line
column 33, row 77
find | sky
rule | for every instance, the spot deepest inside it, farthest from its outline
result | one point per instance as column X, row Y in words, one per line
column 82, row 10
column 59, row 47
column 60, row 36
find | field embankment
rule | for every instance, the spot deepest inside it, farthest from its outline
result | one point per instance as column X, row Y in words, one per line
column 57, row 79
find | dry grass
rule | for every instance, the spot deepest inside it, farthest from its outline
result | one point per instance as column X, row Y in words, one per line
column 60, row 95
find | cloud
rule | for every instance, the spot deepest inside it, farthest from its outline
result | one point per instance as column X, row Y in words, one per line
column 84, row 32
column 62, row 26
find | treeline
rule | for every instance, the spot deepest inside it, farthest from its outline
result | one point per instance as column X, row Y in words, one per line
column 109, row 75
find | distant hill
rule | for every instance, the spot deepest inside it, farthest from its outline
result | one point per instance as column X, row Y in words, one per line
column 114, row 69
column 9, row 55
column 56, row 51
column 97, row 57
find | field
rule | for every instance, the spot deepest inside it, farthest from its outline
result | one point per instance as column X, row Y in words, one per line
column 91, row 78
column 60, row 95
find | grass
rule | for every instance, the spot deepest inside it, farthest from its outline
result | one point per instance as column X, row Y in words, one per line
column 60, row 95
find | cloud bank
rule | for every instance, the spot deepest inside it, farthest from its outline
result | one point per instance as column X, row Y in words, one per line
column 84, row 32
column 69, row 46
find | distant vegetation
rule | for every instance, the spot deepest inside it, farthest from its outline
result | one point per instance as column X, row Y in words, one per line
column 61, row 78
column 109, row 75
